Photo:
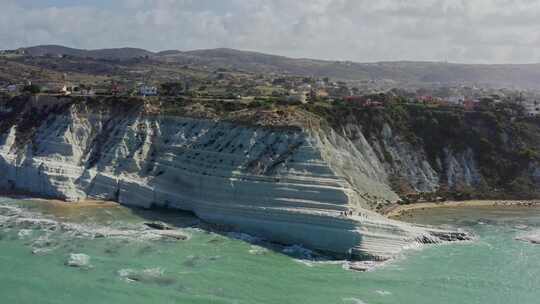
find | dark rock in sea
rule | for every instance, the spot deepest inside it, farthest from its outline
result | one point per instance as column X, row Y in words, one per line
column 214, row 258
column 174, row 235
column 450, row 237
column 362, row 266
column 158, row 226
column 216, row 240
column 150, row 275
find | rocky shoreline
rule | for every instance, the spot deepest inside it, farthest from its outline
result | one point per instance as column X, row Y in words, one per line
column 311, row 186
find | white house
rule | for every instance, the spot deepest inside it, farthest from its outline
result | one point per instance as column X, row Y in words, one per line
column 304, row 87
column 88, row 92
column 148, row 91
column 298, row 96
column 12, row 88
column 58, row 89
column 532, row 108
column 320, row 84
column 457, row 100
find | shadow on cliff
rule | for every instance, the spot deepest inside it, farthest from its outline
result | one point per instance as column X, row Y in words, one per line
column 170, row 218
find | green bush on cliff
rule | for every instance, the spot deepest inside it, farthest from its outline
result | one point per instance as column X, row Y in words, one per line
column 32, row 89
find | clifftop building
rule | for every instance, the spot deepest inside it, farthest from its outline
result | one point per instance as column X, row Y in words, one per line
column 148, row 91
column 532, row 108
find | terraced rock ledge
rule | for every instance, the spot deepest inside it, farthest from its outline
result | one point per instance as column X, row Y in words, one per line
column 292, row 182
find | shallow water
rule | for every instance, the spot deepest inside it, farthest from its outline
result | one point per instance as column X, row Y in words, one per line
column 211, row 268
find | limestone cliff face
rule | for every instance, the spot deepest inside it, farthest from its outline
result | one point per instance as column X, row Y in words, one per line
column 426, row 152
column 410, row 163
column 289, row 185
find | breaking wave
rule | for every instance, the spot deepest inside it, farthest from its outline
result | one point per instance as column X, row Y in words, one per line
column 44, row 233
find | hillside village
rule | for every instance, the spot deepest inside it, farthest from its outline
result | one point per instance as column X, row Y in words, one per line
column 146, row 77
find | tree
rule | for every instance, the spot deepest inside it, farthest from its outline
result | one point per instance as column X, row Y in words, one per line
column 486, row 103
column 172, row 88
column 32, row 89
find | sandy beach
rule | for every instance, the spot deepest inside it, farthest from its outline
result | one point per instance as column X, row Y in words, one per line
column 398, row 210
column 61, row 203
column 78, row 204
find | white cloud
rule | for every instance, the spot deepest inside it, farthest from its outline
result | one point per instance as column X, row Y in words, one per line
column 360, row 30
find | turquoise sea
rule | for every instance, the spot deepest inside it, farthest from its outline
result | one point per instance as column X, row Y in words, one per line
column 214, row 268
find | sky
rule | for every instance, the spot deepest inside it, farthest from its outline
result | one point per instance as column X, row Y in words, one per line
column 464, row 31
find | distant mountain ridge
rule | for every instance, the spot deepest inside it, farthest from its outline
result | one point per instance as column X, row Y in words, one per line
column 401, row 72
column 114, row 53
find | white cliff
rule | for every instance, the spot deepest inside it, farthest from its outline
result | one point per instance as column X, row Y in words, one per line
column 287, row 185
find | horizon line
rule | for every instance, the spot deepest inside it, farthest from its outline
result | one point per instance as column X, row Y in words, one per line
column 271, row 54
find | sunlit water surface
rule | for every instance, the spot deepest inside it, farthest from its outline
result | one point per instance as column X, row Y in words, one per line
column 212, row 268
